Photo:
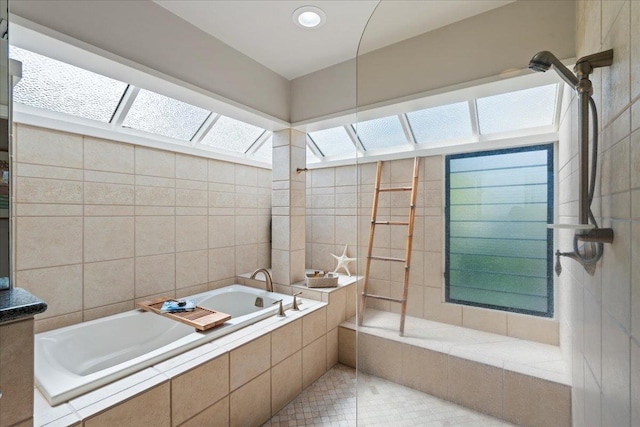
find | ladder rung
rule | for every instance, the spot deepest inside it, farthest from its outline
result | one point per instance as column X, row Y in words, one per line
column 391, row 222
column 395, row 189
column 385, row 258
column 400, row 300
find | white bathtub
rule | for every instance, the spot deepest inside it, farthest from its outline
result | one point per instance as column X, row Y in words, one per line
column 74, row 360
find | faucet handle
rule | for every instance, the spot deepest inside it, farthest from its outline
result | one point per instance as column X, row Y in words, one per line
column 295, row 301
column 280, row 309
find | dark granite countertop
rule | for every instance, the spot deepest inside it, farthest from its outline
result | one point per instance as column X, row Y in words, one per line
column 17, row 303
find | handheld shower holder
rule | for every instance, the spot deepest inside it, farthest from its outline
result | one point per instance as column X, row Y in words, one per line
column 592, row 249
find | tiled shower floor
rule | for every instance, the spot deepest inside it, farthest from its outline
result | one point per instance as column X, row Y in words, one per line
column 331, row 401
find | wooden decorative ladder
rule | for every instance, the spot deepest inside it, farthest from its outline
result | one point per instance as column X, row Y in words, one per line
column 407, row 259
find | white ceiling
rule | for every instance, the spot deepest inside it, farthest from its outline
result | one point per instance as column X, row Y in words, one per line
column 264, row 29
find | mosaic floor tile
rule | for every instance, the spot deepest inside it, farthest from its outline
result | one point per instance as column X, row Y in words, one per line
column 336, row 398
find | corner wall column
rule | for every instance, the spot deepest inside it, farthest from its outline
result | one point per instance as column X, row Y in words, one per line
column 288, row 207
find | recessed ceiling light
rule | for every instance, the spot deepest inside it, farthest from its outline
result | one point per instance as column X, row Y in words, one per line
column 309, row 17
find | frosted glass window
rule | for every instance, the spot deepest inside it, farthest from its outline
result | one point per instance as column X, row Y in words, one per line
column 311, row 158
column 522, row 109
column 232, row 135
column 498, row 248
column 380, row 133
column 441, row 123
column 333, row 142
column 265, row 152
column 56, row 86
column 161, row 115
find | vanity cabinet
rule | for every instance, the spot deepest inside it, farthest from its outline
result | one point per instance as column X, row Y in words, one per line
column 16, row 373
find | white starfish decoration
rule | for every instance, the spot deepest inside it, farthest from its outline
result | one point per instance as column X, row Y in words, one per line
column 343, row 261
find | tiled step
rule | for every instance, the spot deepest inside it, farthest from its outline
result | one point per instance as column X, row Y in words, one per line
column 522, row 382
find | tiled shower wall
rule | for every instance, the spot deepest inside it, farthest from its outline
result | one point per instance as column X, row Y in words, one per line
column 101, row 224
column 600, row 327
column 339, row 213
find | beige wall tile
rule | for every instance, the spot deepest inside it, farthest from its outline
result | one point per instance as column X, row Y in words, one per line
column 314, row 361
column 246, row 258
column 380, row 357
column 246, row 230
column 249, row 361
column 48, row 241
column 155, row 162
column 314, row 325
column 103, row 155
column 347, row 354
column 155, row 274
column 56, row 322
column 222, row 172
column 221, row 231
column 195, row 390
column 425, row 370
column 533, row 328
column 285, row 341
column 332, row 347
column 192, row 268
column 286, row 381
column 191, row 233
column 484, row 320
column 616, row 78
column 214, row 415
column 98, row 193
column 616, row 405
column 107, row 310
column 108, row 238
column 436, row 310
column 16, row 373
column 221, row 264
column 47, row 147
column 255, row 395
column 191, row 167
column 155, row 196
column 154, row 235
column 38, row 190
column 246, row 175
column 130, row 413
column 60, row 287
column 193, row 198
column 39, row 209
column 336, row 310
column 109, row 177
column 476, row 386
column 534, row 402
column 108, row 282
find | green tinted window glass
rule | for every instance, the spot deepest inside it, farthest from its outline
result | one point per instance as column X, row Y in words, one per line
column 498, row 248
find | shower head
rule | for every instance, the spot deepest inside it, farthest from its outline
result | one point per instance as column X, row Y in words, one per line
column 542, row 61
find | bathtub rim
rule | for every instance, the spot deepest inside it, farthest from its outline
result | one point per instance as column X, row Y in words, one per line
column 55, row 388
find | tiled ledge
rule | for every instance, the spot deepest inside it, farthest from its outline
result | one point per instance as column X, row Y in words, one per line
column 523, row 382
column 260, row 363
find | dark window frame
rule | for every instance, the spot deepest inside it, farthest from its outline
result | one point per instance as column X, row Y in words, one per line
column 550, row 212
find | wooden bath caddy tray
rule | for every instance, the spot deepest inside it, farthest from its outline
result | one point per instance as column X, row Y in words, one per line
column 201, row 318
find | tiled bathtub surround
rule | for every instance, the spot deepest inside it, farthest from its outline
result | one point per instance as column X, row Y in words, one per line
column 101, row 224
column 241, row 379
column 600, row 324
column 339, row 213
